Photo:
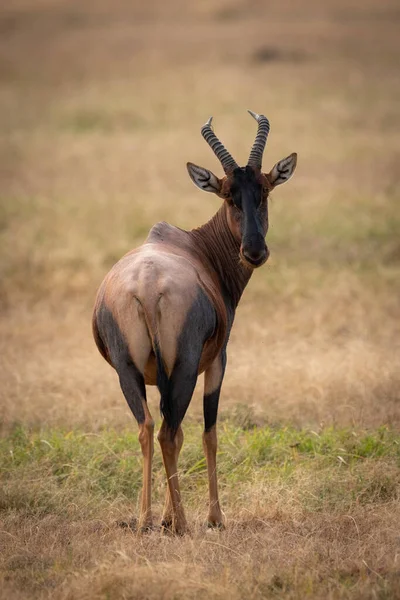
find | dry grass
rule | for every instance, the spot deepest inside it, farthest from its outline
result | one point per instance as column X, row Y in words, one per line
column 308, row 514
column 100, row 110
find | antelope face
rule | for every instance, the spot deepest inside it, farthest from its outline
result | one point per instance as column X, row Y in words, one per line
column 247, row 214
column 245, row 190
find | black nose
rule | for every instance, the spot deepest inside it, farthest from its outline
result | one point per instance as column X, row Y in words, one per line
column 256, row 256
column 254, row 249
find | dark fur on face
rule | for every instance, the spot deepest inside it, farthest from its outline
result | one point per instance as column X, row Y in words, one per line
column 248, row 200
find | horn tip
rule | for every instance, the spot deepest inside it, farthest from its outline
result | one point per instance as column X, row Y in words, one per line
column 254, row 115
column 208, row 124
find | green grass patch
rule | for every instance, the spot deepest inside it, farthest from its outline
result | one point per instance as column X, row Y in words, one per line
column 41, row 469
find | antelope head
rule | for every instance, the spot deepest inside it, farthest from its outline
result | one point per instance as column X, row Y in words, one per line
column 245, row 190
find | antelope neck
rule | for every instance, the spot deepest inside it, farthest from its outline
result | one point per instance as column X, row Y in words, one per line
column 220, row 248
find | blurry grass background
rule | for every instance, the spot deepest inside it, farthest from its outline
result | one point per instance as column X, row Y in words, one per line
column 101, row 107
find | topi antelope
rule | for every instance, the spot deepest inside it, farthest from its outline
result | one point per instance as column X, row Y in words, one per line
column 164, row 312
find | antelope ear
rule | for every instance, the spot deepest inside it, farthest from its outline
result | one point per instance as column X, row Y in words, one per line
column 204, row 179
column 283, row 170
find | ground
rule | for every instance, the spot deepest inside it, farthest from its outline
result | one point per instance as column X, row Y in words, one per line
column 101, row 107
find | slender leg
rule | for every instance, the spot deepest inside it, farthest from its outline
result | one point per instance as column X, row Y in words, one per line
column 133, row 387
column 130, row 364
column 176, row 389
column 170, row 446
column 146, row 439
column 215, row 518
column 167, row 517
column 212, row 388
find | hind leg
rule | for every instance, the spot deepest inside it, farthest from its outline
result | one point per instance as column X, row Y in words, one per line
column 178, row 357
column 146, row 439
column 133, row 387
column 170, row 437
column 129, row 361
column 174, row 514
column 167, row 517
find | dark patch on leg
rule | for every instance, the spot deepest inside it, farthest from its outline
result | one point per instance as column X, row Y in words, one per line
column 176, row 391
column 210, row 408
column 179, row 394
column 211, row 401
column 112, row 342
column 130, row 378
column 133, row 387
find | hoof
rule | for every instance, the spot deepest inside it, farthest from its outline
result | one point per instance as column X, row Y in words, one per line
column 181, row 531
column 132, row 525
column 145, row 529
column 215, row 525
column 168, row 527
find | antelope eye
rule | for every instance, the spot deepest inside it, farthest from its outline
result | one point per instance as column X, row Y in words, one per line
column 237, row 214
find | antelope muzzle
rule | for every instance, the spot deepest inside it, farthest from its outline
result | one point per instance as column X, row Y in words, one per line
column 254, row 251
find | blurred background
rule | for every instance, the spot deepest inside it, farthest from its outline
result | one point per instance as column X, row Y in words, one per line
column 101, row 106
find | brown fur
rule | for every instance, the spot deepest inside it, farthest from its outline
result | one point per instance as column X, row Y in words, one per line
column 166, row 310
column 150, row 290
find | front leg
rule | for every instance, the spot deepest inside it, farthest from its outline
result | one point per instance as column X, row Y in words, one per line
column 212, row 388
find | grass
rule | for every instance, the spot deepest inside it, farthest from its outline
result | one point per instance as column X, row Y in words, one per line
column 303, row 486
column 101, row 107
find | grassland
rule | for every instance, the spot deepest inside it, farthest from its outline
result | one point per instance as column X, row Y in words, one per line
column 101, row 107
column 309, row 514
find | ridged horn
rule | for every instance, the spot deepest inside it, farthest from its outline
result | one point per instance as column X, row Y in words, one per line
column 256, row 154
column 228, row 163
